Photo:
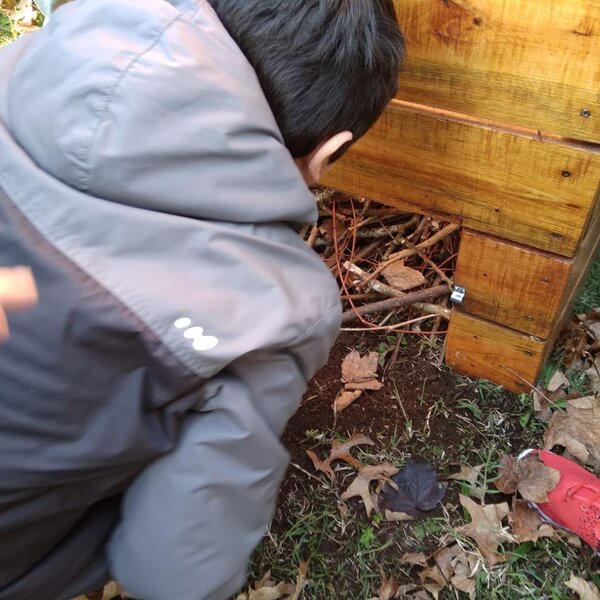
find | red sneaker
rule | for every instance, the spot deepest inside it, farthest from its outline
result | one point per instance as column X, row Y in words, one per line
column 574, row 504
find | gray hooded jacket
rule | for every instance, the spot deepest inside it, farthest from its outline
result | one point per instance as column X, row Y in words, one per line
column 144, row 179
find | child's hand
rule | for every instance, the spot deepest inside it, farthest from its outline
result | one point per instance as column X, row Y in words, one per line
column 17, row 292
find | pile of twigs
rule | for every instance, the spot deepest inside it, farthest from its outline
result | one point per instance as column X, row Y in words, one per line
column 395, row 268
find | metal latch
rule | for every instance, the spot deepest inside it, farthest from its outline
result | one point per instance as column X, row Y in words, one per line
column 458, row 295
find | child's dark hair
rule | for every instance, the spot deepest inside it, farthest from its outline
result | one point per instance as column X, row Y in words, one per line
column 325, row 66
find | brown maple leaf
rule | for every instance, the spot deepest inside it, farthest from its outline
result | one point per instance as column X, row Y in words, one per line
column 361, row 485
column 530, row 476
column 577, row 429
column 340, row 451
column 360, row 372
column 486, row 528
column 526, row 523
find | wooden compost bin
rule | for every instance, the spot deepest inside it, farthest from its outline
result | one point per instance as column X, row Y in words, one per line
column 496, row 126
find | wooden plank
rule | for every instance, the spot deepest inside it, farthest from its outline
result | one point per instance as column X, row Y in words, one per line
column 582, row 264
column 482, row 349
column 499, row 181
column 530, row 63
column 511, row 284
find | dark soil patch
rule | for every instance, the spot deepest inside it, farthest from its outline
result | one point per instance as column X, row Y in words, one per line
column 413, row 385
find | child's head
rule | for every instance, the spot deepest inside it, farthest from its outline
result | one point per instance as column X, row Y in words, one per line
column 326, row 66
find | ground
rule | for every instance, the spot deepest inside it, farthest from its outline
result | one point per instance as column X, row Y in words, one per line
column 423, row 409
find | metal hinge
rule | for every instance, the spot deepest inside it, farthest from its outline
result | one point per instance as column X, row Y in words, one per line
column 458, row 295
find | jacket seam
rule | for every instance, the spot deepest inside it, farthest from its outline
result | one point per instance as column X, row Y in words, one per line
column 101, row 115
column 301, row 338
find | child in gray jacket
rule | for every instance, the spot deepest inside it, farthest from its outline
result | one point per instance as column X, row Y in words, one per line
column 154, row 162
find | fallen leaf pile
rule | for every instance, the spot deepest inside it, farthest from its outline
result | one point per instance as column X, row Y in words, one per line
column 359, row 373
column 266, row 589
column 449, row 566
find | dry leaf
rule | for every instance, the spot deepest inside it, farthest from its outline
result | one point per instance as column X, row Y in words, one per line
column 433, row 580
column 416, row 489
column 266, row 589
column 414, row 558
column 486, row 528
column 530, row 476
column 300, row 580
column 577, row 429
column 593, row 375
column 397, row 517
column 360, row 486
column 585, row 589
column 471, row 476
column 111, row 590
column 420, row 595
column 340, row 451
column 457, row 568
column 557, row 381
column 388, row 589
column 543, row 403
column 403, row 278
column 321, row 465
column 345, row 398
column 526, row 523
column 360, row 373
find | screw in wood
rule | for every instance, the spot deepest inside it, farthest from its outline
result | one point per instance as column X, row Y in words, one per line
column 566, row 173
column 586, row 113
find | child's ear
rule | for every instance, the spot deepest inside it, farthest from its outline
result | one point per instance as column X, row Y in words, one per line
column 315, row 164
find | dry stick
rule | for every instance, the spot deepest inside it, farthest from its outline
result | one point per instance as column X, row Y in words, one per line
column 433, row 266
column 434, row 239
column 312, row 238
column 412, row 298
column 397, row 240
column 390, row 328
column 533, row 387
column 388, row 290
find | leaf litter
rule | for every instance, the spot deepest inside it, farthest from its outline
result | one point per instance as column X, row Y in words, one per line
column 529, row 476
column 340, row 451
column 359, row 373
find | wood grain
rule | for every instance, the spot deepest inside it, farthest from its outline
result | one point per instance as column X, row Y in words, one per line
column 526, row 62
column 486, row 350
column 511, row 284
column 495, row 180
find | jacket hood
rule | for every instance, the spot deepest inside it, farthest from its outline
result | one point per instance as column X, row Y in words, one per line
column 153, row 105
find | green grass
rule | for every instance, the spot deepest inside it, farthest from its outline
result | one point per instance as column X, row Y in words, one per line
column 7, row 32
column 590, row 295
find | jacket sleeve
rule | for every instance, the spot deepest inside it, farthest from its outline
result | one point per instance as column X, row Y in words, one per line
column 191, row 519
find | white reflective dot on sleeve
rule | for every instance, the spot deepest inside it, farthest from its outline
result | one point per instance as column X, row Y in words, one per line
column 183, row 323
